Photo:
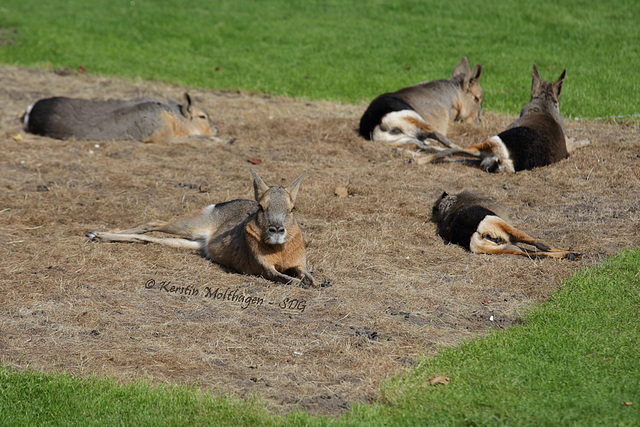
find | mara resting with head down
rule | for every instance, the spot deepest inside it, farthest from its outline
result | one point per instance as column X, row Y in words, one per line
column 480, row 225
column 258, row 237
column 410, row 115
column 537, row 138
column 143, row 119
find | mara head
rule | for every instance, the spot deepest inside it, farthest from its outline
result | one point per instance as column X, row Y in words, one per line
column 275, row 211
column 545, row 96
column 198, row 121
column 469, row 102
column 442, row 207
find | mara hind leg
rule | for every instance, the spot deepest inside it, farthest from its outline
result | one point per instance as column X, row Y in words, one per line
column 478, row 150
column 196, row 138
column 195, row 231
column 497, row 236
column 424, row 131
column 574, row 144
column 485, row 244
column 521, row 237
column 108, row 237
column 398, row 139
column 444, row 155
column 407, row 127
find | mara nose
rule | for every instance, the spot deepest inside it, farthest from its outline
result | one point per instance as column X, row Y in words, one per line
column 276, row 230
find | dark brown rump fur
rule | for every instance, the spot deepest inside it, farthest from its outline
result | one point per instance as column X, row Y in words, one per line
column 457, row 216
column 380, row 107
column 460, row 225
column 540, row 144
column 46, row 113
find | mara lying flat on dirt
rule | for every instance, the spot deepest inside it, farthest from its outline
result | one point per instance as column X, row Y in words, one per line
column 143, row 119
column 258, row 237
column 537, row 138
column 480, row 225
column 410, row 115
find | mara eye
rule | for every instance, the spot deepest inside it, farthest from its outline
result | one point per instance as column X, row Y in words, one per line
column 476, row 99
column 202, row 116
column 260, row 208
column 293, row 209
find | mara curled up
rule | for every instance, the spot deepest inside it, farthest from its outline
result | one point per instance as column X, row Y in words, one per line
column 481, row 226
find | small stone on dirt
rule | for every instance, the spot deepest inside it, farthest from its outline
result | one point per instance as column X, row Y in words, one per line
column 341, row 191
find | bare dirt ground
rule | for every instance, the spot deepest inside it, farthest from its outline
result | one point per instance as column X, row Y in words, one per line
column 396, row 291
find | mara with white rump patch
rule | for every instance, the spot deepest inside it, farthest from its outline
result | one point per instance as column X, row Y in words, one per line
column 480, row 225
column 410, row 116
column 537, row 138
column 142, row 119
column 258, row 237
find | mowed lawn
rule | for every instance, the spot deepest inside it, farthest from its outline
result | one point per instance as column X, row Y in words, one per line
column 341, row 50
column 573, row 361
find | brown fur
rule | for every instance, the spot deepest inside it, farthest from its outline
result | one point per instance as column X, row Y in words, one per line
column 258, row 237
column 480, row 225
column 537, row 138
column 143, row 119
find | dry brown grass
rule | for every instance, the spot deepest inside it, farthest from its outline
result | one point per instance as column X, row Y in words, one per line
column 73, row 305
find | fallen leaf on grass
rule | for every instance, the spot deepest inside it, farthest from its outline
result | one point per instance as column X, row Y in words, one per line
column 254, row 161
column 623, row 403
column 341, row 191
column 17, row 137
column 440, row 380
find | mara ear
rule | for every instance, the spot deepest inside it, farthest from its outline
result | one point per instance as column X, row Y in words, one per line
column 292, row 188
column 435, row 209
column 462, row 67
column 557, row 86
column 259, row 187
column 536, row 82
column 185, row 108
column 476, row 73
column 471, row 77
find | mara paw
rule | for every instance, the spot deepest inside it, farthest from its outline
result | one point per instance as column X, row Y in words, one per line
column 93, row 236
column 97, row 236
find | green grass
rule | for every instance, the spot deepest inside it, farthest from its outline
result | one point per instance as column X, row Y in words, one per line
column 33, row 398
column 341, row 50
column 572, row 362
